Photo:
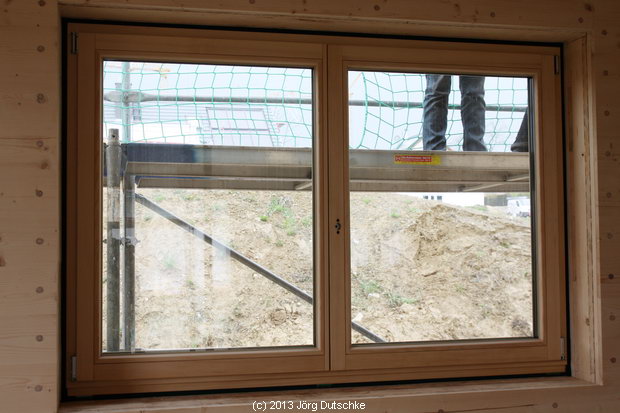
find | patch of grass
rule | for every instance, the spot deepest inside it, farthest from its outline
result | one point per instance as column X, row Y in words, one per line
column 190, row 196
column 366, row 200
column 278, row 205
column 414, row 210
column 504, row 244
column 370, row 286
column 279, row 243
column 170, row 262
column 158, row 197
column 306, row 221
column 147, row 218
column 395, row 214
column 396, row 300
column 290, row 226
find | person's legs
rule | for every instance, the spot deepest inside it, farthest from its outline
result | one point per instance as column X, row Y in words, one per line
column 521, row 142
column 473, row 112
column 435, row 115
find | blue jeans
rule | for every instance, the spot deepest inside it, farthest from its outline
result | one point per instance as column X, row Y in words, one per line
column 435, row 114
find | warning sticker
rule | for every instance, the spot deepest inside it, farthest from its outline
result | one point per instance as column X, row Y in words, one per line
column 402, row 159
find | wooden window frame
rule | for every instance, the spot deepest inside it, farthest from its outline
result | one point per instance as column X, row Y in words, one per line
column 543, row 353
column 333, row 359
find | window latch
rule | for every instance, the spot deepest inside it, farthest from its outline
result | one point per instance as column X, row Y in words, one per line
column 74, row 43
column 74, row 368
column 562, row 348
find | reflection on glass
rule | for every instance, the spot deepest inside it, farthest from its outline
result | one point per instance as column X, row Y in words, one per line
column 441, row 227
column 207, row 213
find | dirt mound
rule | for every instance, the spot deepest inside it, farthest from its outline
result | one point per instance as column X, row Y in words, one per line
column 452, row 273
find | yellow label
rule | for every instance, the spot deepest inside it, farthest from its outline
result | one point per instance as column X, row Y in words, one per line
column 408, row 159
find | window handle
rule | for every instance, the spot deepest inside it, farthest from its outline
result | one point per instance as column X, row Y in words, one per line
column 338, row 226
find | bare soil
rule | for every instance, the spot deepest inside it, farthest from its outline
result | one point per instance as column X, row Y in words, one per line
column 431, row 271
column 421, row 270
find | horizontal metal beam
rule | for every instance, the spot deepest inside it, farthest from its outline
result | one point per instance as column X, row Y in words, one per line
column 270, row 157
column 523, row 179
column 267, row 168
column 138, row 97
column 354, row 185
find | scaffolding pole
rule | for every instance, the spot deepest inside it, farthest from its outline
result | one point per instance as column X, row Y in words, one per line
column 129, row 277
column 125, row 108
column 138, row 97
column 113, row 240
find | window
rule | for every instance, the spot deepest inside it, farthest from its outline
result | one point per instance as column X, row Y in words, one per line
column 266, row 210
column 248, row 227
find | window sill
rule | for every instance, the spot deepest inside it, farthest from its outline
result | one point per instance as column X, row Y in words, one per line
column 393, row 395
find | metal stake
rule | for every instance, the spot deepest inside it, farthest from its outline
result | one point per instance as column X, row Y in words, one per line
column 129, row 277
column 113, row 178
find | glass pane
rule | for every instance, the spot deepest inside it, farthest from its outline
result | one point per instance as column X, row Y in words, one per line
column 441, row 216
column 207, row 207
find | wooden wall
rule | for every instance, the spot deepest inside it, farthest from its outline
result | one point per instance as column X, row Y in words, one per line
column 30, row 190
column 29, row 205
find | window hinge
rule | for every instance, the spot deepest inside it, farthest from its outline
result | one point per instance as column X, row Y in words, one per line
column 557, row 64
column 73, row 368
column 562, row 348
column 74, row 43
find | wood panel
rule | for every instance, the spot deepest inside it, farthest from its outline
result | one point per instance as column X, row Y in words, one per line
column 491, row 12
column 586, row 331
column 29, row 206
column 29, row 271
column 246, row 16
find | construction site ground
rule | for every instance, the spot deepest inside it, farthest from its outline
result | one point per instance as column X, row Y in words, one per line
column 421, row 270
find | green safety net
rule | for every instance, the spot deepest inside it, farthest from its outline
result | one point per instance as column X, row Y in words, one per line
column 272, row 106
column 387, row 108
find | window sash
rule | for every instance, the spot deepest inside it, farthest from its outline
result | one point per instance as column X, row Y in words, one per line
column 549, row 232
